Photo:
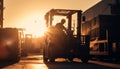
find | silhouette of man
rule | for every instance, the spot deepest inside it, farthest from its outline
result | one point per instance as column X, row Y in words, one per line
column 61, row 25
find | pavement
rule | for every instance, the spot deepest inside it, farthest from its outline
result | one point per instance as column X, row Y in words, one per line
column 36, row 62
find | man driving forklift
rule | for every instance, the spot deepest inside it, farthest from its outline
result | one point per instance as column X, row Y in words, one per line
column 60, row 25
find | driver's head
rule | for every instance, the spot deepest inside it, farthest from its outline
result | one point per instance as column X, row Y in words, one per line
column 63, row 21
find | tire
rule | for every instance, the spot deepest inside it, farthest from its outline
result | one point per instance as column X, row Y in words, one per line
column 84, row 60
column 45, row 59
column 70, row 59
column 51, row 60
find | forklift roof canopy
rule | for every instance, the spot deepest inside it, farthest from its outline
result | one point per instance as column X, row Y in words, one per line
column 63, row 12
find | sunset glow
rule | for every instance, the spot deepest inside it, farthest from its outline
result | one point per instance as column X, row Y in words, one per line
column 35, row 26
column 35, row 31
column 29, row 14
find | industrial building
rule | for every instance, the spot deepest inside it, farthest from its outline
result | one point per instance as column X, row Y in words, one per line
column 101, row 22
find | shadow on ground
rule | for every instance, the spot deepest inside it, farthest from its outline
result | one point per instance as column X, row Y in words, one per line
column 6, row 63
column 74, row 65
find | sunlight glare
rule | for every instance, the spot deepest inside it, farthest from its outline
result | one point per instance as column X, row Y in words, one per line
column 37, row 66
column 34, row 26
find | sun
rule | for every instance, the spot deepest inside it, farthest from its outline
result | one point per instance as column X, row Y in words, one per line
column 36, row 31
column 35, row 26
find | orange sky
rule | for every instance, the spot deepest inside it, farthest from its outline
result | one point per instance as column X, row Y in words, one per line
column 22, row 13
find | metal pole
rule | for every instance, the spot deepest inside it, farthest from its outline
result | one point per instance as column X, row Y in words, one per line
column 51, row 18
column 69, row 22
column 1, row 13
column 79, row 25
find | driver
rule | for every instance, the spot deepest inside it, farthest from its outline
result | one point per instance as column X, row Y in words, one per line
column 60, row 25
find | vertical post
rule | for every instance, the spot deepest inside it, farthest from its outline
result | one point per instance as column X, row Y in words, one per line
column 47, row 19
column 1, row 13
column 69, row 22
column 79, row 24
column 87, row 43
column 110, row 50
column 51, row 18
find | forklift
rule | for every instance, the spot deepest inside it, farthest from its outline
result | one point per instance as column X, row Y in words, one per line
column 68, row 44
